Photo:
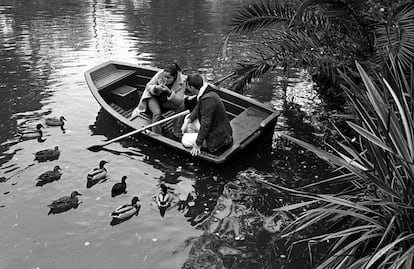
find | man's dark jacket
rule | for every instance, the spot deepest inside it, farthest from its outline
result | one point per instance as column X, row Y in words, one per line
column 214, row 124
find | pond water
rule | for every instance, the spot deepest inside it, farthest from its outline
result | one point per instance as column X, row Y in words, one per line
column 45, row 47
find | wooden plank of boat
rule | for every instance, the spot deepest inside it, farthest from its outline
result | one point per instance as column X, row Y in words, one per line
column 117, row 87
column 246, row 123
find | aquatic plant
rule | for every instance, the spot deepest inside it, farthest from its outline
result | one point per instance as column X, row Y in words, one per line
column 368, row 224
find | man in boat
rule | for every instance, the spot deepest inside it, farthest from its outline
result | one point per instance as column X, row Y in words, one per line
column 207, row 125
column 165, row 91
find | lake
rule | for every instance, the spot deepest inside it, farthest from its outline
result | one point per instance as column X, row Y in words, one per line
column 45, row 48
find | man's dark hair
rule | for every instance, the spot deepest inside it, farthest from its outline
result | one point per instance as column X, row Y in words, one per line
column 195, row 80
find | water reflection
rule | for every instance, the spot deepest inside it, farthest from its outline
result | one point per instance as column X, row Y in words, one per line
column 242, row 230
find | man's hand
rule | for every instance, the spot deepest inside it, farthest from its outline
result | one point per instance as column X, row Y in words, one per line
column 195, row 150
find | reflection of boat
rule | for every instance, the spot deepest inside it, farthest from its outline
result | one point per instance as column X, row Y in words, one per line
column 118, row 86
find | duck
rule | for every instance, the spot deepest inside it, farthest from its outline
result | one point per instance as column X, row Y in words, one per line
column 126, row 211
column 163, row 199
column 119, row 188
column 64, row 203
column 34, row 134
column 55, row 121
column 47, row 154
column 49, row 176
column 96, row 175
column 99, row 173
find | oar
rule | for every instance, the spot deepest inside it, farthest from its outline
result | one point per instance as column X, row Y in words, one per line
column 98, row 147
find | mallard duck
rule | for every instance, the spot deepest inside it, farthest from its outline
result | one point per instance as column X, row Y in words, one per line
column 64, row 203
column 126, row 211
column 55, row 121
column 47, row 154
column 99, row 173
column 119, row 188
column 35, row 134
column 163, row 199
column 49, row 176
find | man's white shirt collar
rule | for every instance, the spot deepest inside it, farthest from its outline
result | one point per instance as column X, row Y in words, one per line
column 202, row 89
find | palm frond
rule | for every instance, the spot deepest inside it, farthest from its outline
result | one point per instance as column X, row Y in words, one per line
column 259, row 15
column 396, row 37
column 294, row 49
column 345, row 14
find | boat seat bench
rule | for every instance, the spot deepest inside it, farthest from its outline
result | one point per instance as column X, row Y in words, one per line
column 246, row 123
column 112, row 78
column 126, row 96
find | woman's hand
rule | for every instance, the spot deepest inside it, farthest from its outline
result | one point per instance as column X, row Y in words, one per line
column 165, row 89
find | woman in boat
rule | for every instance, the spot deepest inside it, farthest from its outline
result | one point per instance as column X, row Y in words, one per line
column 165, row 91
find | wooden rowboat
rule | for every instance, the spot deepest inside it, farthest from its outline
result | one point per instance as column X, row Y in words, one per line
column 118, row 86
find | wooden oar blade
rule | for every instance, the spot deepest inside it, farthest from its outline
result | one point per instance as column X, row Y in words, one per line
column 95, row 148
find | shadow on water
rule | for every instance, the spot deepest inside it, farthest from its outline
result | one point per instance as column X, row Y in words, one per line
column 162, row 211
column 92, row 182
column 41, row 183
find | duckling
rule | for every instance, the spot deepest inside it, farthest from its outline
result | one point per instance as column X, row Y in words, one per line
column 55, row 121
column 126, row 211
column 49, row 176
column 96, row 175
column 47, row 154
column 119, row 188
column 164, row 198
column 64, row 203
column 36, row 134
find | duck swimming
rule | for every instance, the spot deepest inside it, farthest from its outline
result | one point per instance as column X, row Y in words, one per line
column 163, row 199
column 55, row 121
column 49, row 176
column 35, row 134
column 64, row 203
column 126, row 211
column 119, row 188
column 47, row 154
column 98, row 173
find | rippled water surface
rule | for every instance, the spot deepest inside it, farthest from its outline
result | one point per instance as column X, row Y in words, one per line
column 45, row 47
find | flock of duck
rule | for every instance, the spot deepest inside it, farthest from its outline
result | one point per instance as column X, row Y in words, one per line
column 99, row 174
column 96, row 175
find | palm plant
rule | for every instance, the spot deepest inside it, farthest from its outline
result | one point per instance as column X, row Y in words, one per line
column 323, row 36
column 371, row 223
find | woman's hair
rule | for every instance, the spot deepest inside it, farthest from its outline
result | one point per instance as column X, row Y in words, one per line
column 173, row 69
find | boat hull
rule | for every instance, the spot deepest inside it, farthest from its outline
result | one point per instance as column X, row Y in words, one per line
column 118, row 86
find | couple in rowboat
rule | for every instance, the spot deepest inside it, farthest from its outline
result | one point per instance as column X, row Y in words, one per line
column 207, row 126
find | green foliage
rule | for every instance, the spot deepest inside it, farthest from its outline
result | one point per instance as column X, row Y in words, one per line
column 324, row 35
column 371, row 224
